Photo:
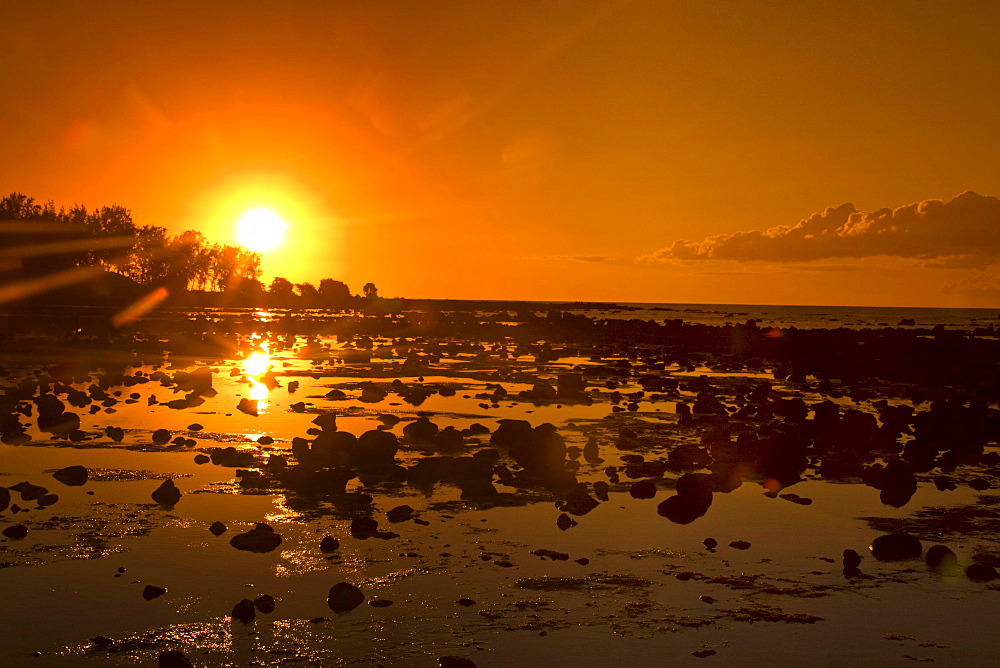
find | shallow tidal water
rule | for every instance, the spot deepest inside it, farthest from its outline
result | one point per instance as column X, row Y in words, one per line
column 648, row 592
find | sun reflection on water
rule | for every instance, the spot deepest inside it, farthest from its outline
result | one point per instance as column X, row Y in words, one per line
column 255, row 365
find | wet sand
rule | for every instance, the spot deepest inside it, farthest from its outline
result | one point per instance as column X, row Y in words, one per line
column 521, row 543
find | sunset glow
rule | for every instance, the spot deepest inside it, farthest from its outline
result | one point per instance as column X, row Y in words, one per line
column 583, row 150
column 261, row 229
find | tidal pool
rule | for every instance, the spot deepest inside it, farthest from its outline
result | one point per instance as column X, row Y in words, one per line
column 495, row 577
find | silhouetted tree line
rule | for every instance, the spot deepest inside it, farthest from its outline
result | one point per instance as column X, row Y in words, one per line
column 44, row 241
column 48, row 241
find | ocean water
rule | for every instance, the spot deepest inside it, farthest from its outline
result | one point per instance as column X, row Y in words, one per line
column 803, row 317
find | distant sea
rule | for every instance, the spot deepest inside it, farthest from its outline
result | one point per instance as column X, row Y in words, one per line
column 803, row 317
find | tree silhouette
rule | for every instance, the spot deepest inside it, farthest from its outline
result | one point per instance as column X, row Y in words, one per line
column 370, row 291
column 281, row 291
column 335, row 294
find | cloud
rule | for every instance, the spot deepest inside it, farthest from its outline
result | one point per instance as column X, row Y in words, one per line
column 963, row 232
column 575, row 258
column 980, row 284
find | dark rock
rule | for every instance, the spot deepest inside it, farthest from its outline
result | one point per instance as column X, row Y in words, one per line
column 364, row 527
column 202, row 459
column 379, row 602
column 550, row 554
column 152, row 591
column 47, row 500
column 455, row 662
column 161, row 437
column 344, row 597
column 329, row 544
column 851, row 559
column 740, row 545
column 578, row 502
column 896, row 547
column 940, row 557
column 264, row 603
column 644, row 489
column 73, row 476
column 28, row 491
column 981, row 573
column 217, row 528
column 4, row 498
column 15, row 532
column 260, row 539
column 465, row 602
column 703, row 653
column 564, row 522
column 167, row 494
column 173, row 658
column 195, row 427
column 710, row 543
column 399, row 514
column 244, row 611
column 375, row 448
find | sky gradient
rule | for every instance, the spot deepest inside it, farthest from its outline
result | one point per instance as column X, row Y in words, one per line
column 720, row 152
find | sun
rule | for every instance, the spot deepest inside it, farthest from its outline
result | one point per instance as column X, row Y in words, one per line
column 261, row 229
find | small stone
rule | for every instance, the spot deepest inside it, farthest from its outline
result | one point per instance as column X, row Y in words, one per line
column 152, row 591
column 15, row 532
column 941, row 557
column 202, row 459
column 344, row 597
column 264, row 603
column 172, row 658
column 72, row 476
column 195, row 427
column 161, row 437
column 455, row 662
column 583, row 561
column 704, row 653
column 399, row 514
column 167, row 493
column 217, row 528
column 244, row 611
column 564, row 522
column 379, row 603
column 740, row 545
column 981, row 573
column 466, row 602
column 851, row 559
column 260, row 539
column 329, row 544
column 363, row 527
column 710, row 543
column 896, row 547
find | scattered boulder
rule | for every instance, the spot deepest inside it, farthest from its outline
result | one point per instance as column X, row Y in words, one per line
column 262, row 538
column 244, row 611
column 981, row 573
column 399, row 514
column 452, row 661
column 152, row 591
column 264, row 603
column 896, row 547
column 329, row 544
column 167, row 494
column 15, row 532
column 217, row 528
column 72, row 476
column 940, row 557
column 173, row 658
column 344, row 597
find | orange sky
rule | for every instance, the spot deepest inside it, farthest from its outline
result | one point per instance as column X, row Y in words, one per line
column 564, row 150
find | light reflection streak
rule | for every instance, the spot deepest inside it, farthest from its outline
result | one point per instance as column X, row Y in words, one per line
column 255, row 366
